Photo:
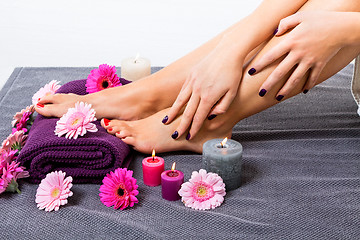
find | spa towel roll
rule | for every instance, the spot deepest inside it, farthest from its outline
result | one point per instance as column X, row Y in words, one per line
column 87, row 159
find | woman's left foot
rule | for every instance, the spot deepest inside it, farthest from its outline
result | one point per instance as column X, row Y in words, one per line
column 150, row 133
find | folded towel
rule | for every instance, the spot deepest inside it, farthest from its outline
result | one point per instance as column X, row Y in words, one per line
column 87, row 159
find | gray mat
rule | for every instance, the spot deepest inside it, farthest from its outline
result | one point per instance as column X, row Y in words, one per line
column 301, row 177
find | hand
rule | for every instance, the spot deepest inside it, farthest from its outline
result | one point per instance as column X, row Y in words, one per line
column 207, row 92
column 315, row 38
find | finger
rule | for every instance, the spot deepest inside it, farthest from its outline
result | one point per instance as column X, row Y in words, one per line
column 222, row 106
column 187, row 116
column 278, row 74
column 180, row 101
column 271, row 56
column 293, row 81
column 289, row 23
column 313, row 78
column 199, row 118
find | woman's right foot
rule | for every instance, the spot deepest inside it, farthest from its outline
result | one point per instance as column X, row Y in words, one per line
column 150, row 133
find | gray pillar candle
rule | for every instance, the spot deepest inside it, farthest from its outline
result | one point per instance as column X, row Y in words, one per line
column 224, row 160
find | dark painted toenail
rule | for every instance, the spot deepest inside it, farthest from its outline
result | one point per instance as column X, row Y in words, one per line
column 165, row 119
column 252, row 71
column 276, row 30
column 262, row 92
column 175, row 135
column 212, row 116
column 305, row 91
column 280, row 97
column 188, row 136
column 106, row 122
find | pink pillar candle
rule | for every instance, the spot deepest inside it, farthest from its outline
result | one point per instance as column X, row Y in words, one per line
column 152, row 169
column 171, row 181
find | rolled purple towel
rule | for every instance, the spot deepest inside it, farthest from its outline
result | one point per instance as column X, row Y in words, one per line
column 87, row 159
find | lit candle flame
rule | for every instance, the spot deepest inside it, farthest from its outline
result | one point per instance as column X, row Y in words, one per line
column 173, row 166
column 224, row 142
column 137, row 57
column 153, row 154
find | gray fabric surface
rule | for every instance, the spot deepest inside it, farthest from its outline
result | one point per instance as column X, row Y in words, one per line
column 301, row 177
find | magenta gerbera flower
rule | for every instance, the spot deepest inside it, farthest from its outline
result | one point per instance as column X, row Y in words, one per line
column 203, row 191
column 53, row 191
column 10, row 171
column 49, row 89
column 77, row 121
column 119, row 189
column 19, row 115
column 15, row 141
column 103, row 77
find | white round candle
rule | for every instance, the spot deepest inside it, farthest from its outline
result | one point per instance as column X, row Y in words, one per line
column 225, row 160
column 135, row 68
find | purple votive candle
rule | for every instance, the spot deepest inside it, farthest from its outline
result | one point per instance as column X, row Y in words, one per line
column 171, row 181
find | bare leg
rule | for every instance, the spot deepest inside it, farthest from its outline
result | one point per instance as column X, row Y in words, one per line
column 150, row 133
column 141, row 98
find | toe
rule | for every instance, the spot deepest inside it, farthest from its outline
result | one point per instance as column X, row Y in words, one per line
column 49, row 110
column 123, row 133
column 106, row 123
column 129, row 140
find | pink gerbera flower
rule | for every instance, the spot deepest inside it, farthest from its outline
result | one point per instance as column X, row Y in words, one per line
column 119, row 189
column 15, row 141
column 53, row 191
column 103, row 77
column 203, row 191
column 19, row 115
column 48, row 89
column 77, row 121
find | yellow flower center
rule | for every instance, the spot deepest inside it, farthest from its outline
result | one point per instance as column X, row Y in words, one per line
column 55, row 192
column 201, row 191
column 75, row 121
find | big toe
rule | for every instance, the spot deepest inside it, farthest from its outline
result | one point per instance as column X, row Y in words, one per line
column 50, row 110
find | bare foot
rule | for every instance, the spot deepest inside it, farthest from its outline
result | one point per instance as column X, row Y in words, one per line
column 128, row 102
column 150, row 133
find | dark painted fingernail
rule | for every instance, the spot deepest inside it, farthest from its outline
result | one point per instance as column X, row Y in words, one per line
column 110, row 129
column 188, row 136
column 212, row 116
column 262, row 92
column 276, row 30
column 252, row 71
column 305, row 91
column 39, row 105
column 175, row 135
column 165, row 119
column 280, row 97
